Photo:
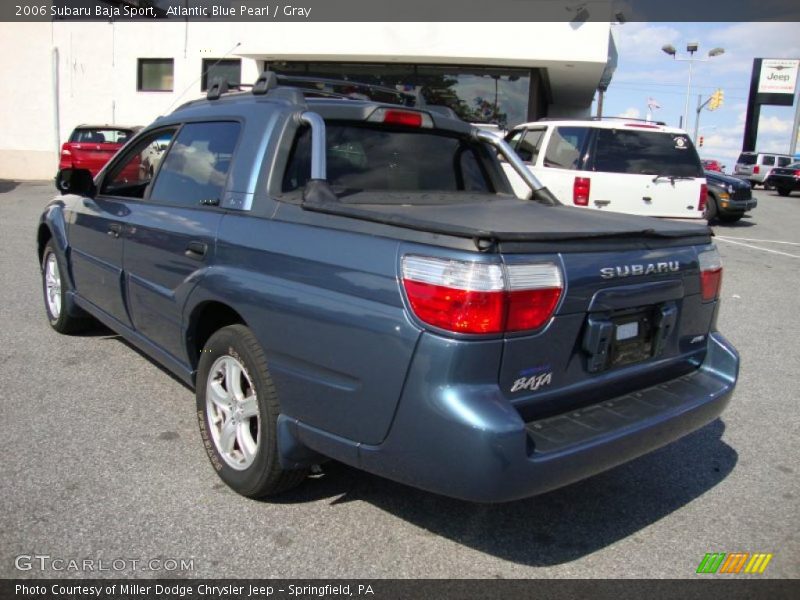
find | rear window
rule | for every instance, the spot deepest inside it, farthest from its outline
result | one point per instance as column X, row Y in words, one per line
column 100, row 136
column 364, row 158
column 747, row 159
column 652, row 153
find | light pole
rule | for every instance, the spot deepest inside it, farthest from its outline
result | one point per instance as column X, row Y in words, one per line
column 691, row 48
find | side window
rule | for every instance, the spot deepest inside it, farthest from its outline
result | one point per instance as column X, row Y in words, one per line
column 783, row 161
column 531, row 144
column 514, row 137
column 196, row 167
column 768, row 161
column 565, row 148
column 131, row 176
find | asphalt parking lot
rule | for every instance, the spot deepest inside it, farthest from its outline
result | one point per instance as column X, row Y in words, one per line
column 101, row 458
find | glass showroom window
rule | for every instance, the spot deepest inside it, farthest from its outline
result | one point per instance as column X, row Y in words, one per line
column 155, row 75
column 477, row 94
column 229, row 70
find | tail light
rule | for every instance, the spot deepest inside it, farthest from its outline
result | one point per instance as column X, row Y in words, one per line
column 701, row 203
column 710, row 274
column 756, row 170
column 797, row 173
column 472, row 297
column 580, row 191
column 403, row 118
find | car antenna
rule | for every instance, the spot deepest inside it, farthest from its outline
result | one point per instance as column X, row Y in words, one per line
column 183, row 93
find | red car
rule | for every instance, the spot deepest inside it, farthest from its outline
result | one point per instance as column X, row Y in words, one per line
column 713, row 165
column 92, row 146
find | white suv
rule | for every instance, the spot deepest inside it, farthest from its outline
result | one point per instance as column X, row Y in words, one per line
column 616, row 165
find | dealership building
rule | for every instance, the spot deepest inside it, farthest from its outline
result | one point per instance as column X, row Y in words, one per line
column 65, row 73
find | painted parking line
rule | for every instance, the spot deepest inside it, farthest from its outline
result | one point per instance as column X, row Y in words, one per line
column 770, row 250
column 741, row 239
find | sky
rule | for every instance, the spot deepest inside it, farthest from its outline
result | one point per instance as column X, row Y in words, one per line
column 644, row 71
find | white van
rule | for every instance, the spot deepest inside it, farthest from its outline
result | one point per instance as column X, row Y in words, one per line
column 616, row 165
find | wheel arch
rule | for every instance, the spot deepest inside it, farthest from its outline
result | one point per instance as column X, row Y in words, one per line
column 205, row 319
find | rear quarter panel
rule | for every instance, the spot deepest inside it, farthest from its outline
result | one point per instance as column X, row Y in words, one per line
column 326, row 307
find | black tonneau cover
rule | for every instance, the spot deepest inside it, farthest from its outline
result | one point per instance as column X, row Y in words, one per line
column 504, row 219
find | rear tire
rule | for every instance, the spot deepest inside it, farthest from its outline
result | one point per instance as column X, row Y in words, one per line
column 782, row 191
column 237, row 411
column 55, row 288
column 752, row 185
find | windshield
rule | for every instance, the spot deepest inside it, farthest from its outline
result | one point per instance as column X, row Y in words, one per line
column 371, row 158
column 646, row 152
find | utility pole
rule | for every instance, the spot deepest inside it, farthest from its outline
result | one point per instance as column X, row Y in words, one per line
column 715, row 101
column 795, row 126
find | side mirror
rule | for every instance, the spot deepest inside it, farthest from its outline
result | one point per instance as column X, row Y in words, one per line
column 76, row 181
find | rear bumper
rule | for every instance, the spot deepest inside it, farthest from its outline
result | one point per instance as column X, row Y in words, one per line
column 468, row 441
column 791, row 183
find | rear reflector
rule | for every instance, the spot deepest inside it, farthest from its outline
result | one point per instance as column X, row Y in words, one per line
column 482, row 298
column 710, row 274
column 403, row 118
column 581, row 188
column 701, row 203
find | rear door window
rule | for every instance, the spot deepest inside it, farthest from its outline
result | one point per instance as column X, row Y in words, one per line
column 768, row 161
column 566, row 147
column 530, row 145
column 196, row 167
column 366, row 158
column 646, row 152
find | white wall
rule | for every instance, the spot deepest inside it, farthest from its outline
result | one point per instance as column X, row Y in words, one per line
column 98, row 63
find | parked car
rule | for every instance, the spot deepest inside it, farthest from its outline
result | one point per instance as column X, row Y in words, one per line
column 613, row 165
column 354, row 280
column 712, row 165
column 90, row 147
column 728, row 197
column 785, row 179
column 755, row 166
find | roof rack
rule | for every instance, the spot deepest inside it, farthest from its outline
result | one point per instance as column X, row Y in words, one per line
column 316, row 87
column 628, row 119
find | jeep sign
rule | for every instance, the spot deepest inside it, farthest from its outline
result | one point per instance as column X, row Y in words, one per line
column 778, row 76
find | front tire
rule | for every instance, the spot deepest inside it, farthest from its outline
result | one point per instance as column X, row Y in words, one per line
column 711, row 208
column 55, row 286
column 237, row 411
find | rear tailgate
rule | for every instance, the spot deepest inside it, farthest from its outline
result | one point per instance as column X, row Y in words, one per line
column 87, row 155
column 627, row 320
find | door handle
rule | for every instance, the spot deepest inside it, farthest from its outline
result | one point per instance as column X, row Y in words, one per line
column 114, row 229
column 196, row 250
